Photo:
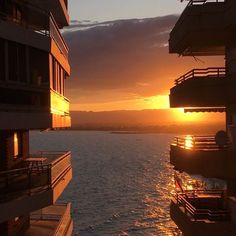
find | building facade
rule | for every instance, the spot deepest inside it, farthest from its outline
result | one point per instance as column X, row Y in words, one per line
column 33, row 68
column 206, row 28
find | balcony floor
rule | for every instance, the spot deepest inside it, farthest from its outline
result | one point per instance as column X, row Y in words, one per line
column 49, row 220
column 41, row 227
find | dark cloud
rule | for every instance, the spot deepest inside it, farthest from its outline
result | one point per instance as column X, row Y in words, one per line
column 123, row 55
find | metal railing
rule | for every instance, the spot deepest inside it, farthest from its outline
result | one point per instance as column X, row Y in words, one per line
column 197, row 213
column 202, row 2
column 34, row 177
column 211, row 72
column 206, row 143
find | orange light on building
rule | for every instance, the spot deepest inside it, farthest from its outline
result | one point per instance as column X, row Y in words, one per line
column 188, row 143
column 16, row 145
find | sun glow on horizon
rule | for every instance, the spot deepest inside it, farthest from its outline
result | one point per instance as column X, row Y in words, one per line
column 182, row 116
column 158, row 102
column 162, row 102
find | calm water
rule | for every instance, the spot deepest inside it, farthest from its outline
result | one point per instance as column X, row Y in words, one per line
column 121, row 183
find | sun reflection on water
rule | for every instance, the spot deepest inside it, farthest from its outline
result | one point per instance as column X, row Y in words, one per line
column 156, row 219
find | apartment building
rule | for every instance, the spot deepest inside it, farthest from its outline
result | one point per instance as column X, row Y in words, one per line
column 206, row 28
column 33, row 69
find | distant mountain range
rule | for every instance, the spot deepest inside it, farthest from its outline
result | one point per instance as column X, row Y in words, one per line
column 161, row 121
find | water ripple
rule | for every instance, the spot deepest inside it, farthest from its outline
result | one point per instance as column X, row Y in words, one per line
column 121, row 183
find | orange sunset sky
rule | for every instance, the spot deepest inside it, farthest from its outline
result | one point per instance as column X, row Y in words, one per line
column 125, row 64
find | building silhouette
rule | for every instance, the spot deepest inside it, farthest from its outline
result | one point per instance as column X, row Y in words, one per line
column 33, row 69
column 206, row 28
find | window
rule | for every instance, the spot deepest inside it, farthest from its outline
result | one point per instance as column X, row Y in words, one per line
column 16, row 145
column 17, row 14
column 2, row 59
column 39, row 72
column 17, row 62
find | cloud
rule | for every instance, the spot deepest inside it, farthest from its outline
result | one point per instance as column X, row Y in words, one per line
column 122, row 57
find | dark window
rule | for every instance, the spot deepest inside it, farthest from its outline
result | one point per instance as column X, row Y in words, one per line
column 39, row 72
column 22, row 63
column 3, row 5
column 17, row 62
column 12, row 61
column 17, row 14
column 2, row 59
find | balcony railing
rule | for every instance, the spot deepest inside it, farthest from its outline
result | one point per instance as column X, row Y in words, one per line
column 191, row 3
column 211, row 72
column 204, row 204
column 59, row 103
column 56, row 35
column 40, row 172
column 59, row 214
column 48, row 27
column 201, row 2
column 206, row 143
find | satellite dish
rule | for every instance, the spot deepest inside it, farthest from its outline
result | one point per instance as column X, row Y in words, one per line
column 221, row 138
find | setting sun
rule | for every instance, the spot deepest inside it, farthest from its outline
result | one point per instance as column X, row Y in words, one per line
column 162, row 102
column 157, row 102
column 182, row 116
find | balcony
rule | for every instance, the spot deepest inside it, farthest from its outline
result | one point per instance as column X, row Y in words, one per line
column 53, row 220
column 206, row 205
column 43, row 34
column 38, row 183
column 191, row 153
column 59, row 8
column 203, row 28
column 55, row 33
column 202, row 212
column 37, row 107
column 200, row 88
column 60, row 108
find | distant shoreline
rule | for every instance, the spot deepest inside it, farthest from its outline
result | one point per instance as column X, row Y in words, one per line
column 131, row 132
column 179, row 131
